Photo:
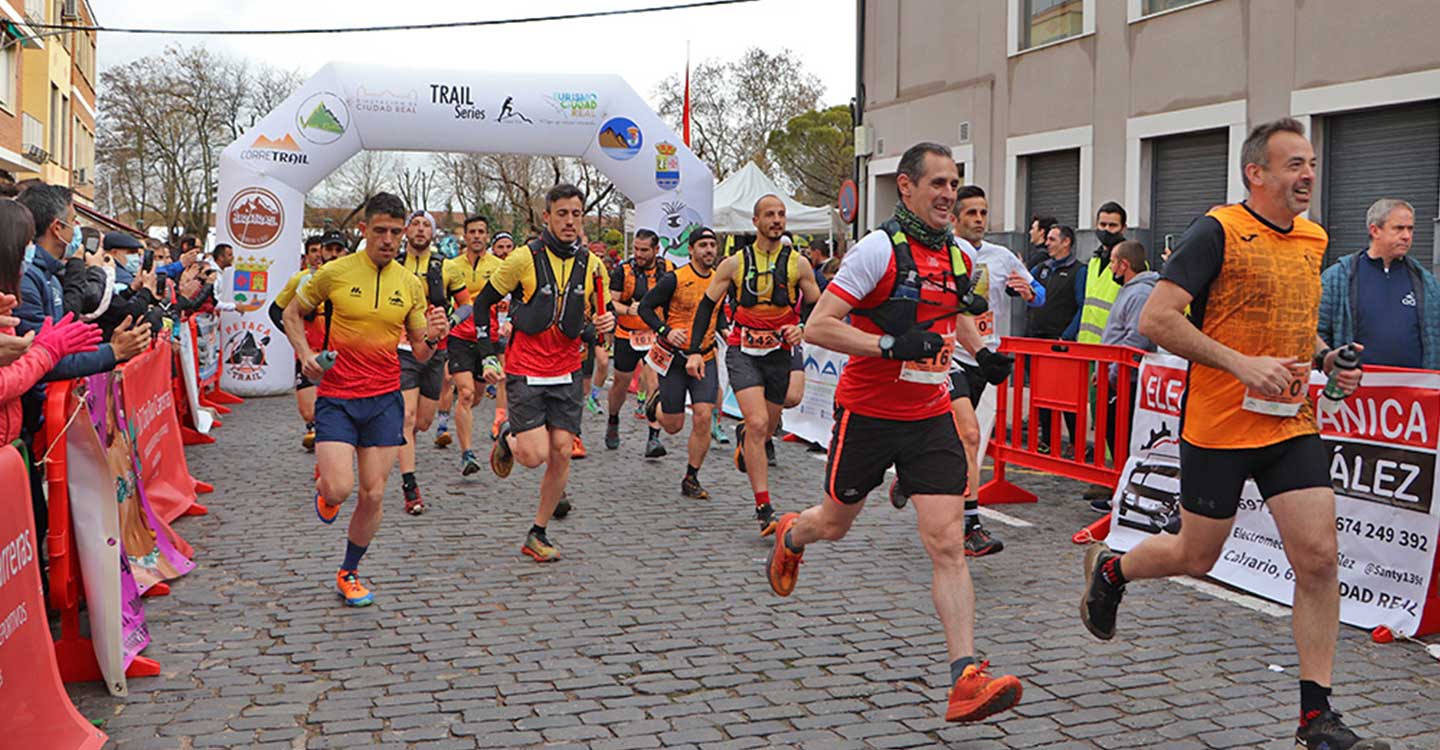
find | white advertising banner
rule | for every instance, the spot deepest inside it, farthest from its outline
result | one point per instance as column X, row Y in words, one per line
column 1382, row 443
column 95, row 517
column 347, row 108
column 189, row 373
column 814, row 418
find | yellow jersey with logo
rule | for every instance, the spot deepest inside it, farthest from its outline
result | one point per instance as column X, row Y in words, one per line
column 549, row 353
column 372, row 308
column 1256, row 290
column 474, row 275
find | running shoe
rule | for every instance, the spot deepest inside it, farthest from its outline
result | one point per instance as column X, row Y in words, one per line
column 1097, row 492
column 1100, row 602
column 765, row 514
column 654, row 448
column 308, row 442
column 717, row 433
column 592, row 402
column 502, row 459
column 1100, row 505
column 414, row 505
column 770, row 451
column 690, row 487
column 326, row 512
column 977, row 695
column 499, row 423
column 349, row 585
column 612, row 436
column 562, row 508
column 577, row 448
column 898, row 497
column 469, row 464
column 782, row 566
column 979, row 543
column 539, row 548
column 1325, row 731
column 442, row 439
column 740, row 447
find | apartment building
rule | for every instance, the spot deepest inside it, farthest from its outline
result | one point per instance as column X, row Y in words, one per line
column 1056, row 106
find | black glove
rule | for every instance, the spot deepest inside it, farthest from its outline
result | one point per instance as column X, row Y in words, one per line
column 974, row 304
column 995, row 367
column 588, row 334
column 915, row 344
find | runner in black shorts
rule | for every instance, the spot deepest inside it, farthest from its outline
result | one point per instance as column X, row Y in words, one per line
column 633, row 339
column 902, row 289
column 677, row 294
column 1249, row 273
column 765, row 281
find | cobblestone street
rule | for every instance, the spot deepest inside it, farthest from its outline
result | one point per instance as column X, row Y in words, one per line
column 657, row 628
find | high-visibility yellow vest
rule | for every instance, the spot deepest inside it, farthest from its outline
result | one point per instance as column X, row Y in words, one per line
column 1100, row 293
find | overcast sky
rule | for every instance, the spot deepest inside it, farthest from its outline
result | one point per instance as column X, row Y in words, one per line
column 643, row 49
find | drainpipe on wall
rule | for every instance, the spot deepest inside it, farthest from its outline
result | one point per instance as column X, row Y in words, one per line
column 857, row 115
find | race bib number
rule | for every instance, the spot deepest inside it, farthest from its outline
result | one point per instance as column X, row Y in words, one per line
column 757, row 342
column 551, row 380
column 659, row 359
column 932, row 370
column 642, row 341
column 985, row 322
column 1286, row 404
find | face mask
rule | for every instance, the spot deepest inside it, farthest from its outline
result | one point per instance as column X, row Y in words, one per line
column 132, row 263
column 76, row 240
column 1118, row 279
column 30, row 254
column 1109, row 239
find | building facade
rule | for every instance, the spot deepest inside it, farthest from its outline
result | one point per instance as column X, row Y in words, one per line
column 47, row 94
column 1057, row 106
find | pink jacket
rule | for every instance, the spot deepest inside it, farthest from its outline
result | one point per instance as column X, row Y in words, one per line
column 15, row 379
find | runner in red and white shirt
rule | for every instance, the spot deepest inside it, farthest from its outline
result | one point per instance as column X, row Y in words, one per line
column 893, row 406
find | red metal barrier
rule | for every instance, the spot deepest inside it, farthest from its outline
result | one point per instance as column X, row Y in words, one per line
column 1062, row 378
column 74, row 653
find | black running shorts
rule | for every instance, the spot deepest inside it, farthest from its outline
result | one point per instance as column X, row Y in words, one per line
column 771, row 372
column 676, row 383
column 464, row 356
column 967, row 382
column 428, row 376
column 555, row 406
column 1211, row 478
column 626, row 358
column 927, row 455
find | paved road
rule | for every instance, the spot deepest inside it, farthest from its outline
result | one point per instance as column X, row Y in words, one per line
column 658, row 630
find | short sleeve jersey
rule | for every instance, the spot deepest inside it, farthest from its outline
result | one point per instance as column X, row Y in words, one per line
column 473, row 275
column 1256, row 290
column 314, row 326
column 871, row 386
column 372, row 309
column 549, row 353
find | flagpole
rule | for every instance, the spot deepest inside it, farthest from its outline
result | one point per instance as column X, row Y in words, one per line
column 685, row 118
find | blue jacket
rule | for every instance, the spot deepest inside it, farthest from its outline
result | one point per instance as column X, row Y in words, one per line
column 41, row 297
column 1338, row 298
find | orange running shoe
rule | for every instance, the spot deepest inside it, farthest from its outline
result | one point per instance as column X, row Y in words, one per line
column 540, row 548
column 355, row 594
column 977, row 695
column 325, row 511
column 578, row 449
column 782, row 567
column 497, row 424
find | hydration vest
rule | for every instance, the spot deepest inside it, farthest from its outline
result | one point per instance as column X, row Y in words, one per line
column 636, row 284
column 900, row 312
column 552, row 305
column 780, row 282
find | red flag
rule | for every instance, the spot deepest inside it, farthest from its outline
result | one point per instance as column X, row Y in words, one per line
column 685, row 118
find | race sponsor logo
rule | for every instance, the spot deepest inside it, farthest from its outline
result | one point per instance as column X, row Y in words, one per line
column 252, row 283
column 385, row 101
column 573, row 106
column 667, row 166
column 458, row 100
column 620, row 138
column 283, row 150
column 255, row 217
column 245, row 344
column 678, row 221
column 508, row 113
column 322, row 118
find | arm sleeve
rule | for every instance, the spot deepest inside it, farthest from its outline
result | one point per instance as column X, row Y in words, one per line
column 1197, row 258
column 657, row 298
column 703, row 311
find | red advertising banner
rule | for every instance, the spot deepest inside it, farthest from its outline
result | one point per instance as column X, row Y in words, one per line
column 37, row 712
column 150, row 411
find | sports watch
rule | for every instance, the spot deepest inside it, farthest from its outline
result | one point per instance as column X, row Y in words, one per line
column 887, row 342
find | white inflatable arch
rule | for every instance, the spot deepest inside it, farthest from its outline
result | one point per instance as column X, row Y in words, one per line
column 347, row 108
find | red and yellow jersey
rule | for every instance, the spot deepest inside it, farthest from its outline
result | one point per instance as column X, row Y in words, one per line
column 314, row 326
column 761, row 281
column 549, row 353
column 372, row 308
column 1256, row 289
column 474, row 275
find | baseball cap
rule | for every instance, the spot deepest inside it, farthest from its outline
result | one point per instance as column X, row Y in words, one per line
column 333, row 237
column 703, row 233
column 120, row 241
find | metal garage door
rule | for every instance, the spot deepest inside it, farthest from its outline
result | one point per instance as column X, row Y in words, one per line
column 1381, row 153
column 1052, row 186
column 1188, row 175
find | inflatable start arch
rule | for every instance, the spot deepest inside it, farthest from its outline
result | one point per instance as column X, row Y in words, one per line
column 345, row 109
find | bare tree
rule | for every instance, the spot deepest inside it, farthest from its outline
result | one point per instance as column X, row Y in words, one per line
column 363, row 175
